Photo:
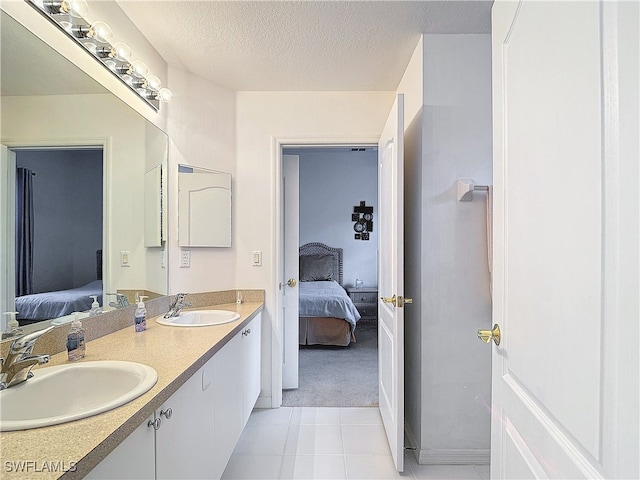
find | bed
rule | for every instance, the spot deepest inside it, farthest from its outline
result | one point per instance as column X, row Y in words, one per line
column 44, row 306
column 327, row 315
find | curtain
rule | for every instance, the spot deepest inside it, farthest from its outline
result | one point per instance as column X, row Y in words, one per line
column 24, row 231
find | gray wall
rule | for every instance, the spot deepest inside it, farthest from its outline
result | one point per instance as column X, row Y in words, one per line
column 448, row 370
column 67, row 192
column 332, row 182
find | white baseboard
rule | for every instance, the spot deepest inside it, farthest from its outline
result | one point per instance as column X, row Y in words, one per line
column 454, row 457
column 411, row 442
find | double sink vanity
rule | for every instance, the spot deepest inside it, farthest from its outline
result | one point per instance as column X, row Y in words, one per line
column 169, row 402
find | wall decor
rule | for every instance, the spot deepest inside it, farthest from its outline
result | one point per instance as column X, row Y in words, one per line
column 363, row 218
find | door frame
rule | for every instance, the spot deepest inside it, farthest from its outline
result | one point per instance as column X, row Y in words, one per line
column 277, row 145
column 68, row 144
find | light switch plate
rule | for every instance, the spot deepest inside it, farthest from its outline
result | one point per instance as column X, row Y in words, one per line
column 257, row 258
column 124, row 258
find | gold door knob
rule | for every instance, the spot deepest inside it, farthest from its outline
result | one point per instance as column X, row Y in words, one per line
column 389, row 299
column 487, row 335
column 291, row 282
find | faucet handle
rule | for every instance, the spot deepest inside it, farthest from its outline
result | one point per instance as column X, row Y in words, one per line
column 28, row 340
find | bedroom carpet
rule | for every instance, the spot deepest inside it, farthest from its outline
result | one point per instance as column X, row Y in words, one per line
column 338, row 376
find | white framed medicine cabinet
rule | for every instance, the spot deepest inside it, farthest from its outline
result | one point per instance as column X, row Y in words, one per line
column 204, row 207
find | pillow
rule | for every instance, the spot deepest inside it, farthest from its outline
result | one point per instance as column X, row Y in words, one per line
column 316, row 268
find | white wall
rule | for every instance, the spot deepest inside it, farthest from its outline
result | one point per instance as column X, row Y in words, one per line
column 456, row 375
column 201, row 128
column 262, row 120
column 332, row 182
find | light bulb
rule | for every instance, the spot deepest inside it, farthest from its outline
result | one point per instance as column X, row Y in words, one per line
column 121, row 51
column 165, row 94
column 101, row 32
column 139, row 68
column 153, row 82
column 75, row 8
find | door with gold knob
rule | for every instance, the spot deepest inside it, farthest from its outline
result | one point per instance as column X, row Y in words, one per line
column 288, row 283
column 565, row 377
column 390, row 281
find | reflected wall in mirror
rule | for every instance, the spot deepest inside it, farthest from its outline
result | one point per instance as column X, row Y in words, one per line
column 204, row 207
column 48, row 102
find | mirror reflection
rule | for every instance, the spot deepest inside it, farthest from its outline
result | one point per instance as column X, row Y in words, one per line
column 81, row 155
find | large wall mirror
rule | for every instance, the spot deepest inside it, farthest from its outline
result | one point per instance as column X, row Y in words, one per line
column 83, row 154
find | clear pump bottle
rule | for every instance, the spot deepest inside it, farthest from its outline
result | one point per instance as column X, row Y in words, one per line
column 141, row 315
column 95, row 306
column 75, row 340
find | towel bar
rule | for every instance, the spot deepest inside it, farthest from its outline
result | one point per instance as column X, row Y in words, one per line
column 466, row 189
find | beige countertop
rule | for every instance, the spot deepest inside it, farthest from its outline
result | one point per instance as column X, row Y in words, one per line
column 71, row 450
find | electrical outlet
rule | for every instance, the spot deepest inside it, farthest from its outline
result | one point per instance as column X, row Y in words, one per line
column 185, row 258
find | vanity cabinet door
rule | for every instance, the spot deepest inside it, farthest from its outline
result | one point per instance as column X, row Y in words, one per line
column 133, row 458
column 228, row 408
column 185, row 440
column 251, row 381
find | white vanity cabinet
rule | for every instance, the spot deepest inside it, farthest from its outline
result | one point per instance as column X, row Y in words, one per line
column 184, row 439
column 135, row 457
column 236, row 389
column 193, row 434
column 176, row 442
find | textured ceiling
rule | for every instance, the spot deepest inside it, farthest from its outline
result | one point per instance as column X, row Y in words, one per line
column 299, row 45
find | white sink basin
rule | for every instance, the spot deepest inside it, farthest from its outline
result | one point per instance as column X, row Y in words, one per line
column 200, row 318
column 64, row 393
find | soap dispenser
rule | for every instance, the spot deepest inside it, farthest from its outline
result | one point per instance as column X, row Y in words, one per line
column 141, row 315
column 13, row 327
column 75, row 340
column 95, row 306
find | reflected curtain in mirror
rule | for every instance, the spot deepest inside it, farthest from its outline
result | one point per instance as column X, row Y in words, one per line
column 24, row 231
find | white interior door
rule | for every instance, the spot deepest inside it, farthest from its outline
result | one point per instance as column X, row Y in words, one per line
column 289, row 282
column 391, row 280
column 565, row 374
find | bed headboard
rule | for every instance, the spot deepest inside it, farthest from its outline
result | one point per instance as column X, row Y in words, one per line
column 316, row 248
column 99, row 264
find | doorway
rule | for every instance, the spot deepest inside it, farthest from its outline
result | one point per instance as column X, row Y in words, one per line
column 334, row 185
column 59, row 213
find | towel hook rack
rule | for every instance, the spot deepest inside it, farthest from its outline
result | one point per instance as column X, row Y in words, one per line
column 466, row 189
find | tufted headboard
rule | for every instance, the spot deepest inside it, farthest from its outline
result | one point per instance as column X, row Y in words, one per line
column 316, row 248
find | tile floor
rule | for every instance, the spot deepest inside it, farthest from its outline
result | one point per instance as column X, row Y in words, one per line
column 329, row 444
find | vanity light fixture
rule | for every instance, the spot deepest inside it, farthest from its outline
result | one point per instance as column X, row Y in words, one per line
column 97, row 38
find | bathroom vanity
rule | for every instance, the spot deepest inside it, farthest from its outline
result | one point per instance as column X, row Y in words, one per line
column 186, row 426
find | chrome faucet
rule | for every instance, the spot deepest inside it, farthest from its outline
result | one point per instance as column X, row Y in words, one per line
column 177, row 305
column 16, row 368
column 121, row 300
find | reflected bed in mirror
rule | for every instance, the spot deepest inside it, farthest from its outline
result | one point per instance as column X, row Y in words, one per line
column 49, row 104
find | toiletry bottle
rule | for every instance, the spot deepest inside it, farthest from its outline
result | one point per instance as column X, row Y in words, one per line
column 13, row 327
column 95, row 306
column 141, row 315
column 238, row 297
column 75, row 340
